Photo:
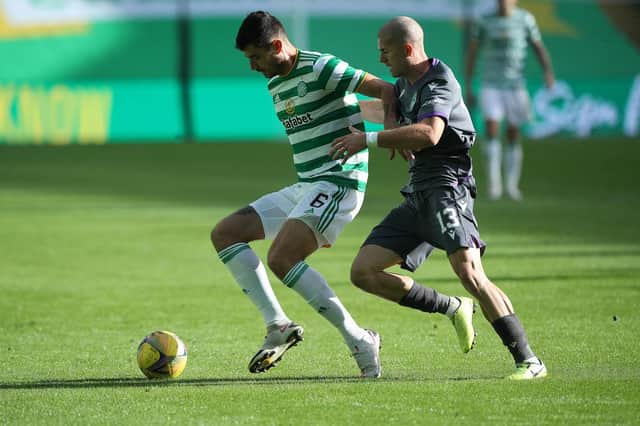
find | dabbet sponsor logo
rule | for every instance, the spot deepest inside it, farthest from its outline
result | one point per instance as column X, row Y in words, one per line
column 297, row 121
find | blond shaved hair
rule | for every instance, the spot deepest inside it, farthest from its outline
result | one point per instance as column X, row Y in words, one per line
column 401, row 30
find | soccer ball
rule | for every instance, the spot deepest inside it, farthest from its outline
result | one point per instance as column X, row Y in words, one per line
column 162, row 355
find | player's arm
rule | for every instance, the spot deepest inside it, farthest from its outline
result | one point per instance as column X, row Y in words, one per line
column 375, row 87
column 435, row 108
column 470, row 65
column 545, row 61
column 372, row 110
column 412, row 138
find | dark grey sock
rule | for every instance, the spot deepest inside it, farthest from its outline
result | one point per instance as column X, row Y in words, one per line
column 425, row 299
column 511, row 331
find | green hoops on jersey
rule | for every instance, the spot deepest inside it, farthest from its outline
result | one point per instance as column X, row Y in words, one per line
column 315, row 104
column 505, row 41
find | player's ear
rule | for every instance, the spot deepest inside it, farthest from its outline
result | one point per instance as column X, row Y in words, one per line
column 276, row 45
column 408, row 49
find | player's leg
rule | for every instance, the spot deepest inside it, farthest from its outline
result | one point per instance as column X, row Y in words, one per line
column 230, row 238
column 513, row 163
column 316, row 221
column 518, row 113
column 396, row 240
column 498, row 310
column 492, row 107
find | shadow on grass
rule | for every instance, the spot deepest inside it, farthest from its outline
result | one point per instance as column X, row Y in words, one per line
column 233, row 381
column 609, row 273
column 567, row 252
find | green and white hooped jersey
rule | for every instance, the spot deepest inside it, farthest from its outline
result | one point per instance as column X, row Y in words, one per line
column 505, row 40
column 315, row 103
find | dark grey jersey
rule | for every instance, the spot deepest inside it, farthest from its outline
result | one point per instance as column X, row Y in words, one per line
column 437, row 93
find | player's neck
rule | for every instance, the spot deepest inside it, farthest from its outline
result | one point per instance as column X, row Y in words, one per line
column 419, row 69
column 292, row 59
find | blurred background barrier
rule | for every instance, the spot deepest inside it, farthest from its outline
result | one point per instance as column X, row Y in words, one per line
column 117, row 71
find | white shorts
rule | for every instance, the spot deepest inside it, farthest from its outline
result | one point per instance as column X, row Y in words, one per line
column 513, row 104
column 325, row 207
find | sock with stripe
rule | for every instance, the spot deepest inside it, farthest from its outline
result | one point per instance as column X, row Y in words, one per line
column 313, row 288
column 251, row 275
column 511, row 331
column 428, row 300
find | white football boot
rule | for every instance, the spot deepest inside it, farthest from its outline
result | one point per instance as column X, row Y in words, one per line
column 367, row 355
column 277, row 341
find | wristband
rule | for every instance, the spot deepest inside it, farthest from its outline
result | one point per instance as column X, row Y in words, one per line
column 371, row 138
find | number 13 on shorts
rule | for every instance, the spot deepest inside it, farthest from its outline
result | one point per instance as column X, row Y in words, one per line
column 448, row 218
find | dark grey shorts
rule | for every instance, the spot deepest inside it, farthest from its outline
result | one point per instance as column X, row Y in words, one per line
column 436, row 218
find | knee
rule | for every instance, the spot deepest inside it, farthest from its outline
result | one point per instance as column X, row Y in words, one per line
column 216, row 237
column 363, row 276
column 473, row 282
column 279, row 262
column 222, row 236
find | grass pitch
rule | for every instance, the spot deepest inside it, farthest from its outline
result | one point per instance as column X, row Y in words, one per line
column 101, row 245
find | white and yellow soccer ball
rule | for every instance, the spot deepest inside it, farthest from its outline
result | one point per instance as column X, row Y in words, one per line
column 162, row 355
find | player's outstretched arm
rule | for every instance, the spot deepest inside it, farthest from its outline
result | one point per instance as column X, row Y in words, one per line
column 545, row 60
column 414, row 137
column 375, row 87
column 372, row 111
column 470, row 64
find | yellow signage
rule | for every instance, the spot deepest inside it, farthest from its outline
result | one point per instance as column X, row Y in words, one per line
column 58, row 115
column 9, row 31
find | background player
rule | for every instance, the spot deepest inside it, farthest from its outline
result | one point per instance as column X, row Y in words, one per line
column 505, row 37
column 438, row 206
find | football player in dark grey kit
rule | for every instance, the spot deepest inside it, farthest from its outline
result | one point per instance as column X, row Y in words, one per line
column 435, row 134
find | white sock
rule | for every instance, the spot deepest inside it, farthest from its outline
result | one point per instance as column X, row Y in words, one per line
column 493, row 150
column 513, row 166
column 251, row 275
column 454, row 304
column 317, row 293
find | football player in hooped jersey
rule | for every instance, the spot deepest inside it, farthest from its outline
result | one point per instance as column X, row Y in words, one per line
column 505, row 37
column 437, row 211
column 314, row 100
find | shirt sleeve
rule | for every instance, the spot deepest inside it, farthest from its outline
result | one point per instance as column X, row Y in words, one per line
column 336, row 75
column 437, row 100
column 533, row 32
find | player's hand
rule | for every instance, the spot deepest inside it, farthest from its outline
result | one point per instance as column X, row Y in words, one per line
column 346, row 146
column 404, row 153
column 549, row 79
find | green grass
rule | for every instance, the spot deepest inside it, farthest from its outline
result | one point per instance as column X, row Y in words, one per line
column 101, row 245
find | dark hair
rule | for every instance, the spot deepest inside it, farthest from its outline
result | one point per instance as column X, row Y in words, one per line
column 258, row 29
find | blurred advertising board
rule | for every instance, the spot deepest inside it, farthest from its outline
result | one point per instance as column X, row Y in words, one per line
column 98, row 71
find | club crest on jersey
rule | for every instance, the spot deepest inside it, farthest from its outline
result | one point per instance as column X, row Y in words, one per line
column 290, row 106
column 302, row 89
